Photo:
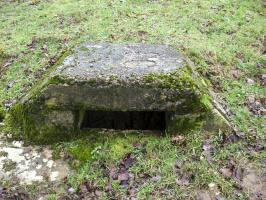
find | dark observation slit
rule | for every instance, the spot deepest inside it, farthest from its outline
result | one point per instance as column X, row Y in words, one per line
column 132, row 120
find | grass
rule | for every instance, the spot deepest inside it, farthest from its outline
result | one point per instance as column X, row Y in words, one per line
column 155, row 156
column 218, row 36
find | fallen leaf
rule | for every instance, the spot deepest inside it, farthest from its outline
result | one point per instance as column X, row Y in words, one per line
column 52, row 60
column 7, row 64
column 240, row 55
column 128, row 161
column 240, row 134
column 45, row 48
column 256, row 105
column 83, row 188
column 178, row 139
column 235, row 73
column 114, row 173
column 259, row 147
column 123, row 177
column 252, row 132
column 90, row 186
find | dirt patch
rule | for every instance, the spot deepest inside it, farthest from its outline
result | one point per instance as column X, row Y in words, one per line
column 254, row 182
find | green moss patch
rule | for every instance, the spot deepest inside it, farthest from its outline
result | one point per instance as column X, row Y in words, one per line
column 106, row 145
column 23, row 123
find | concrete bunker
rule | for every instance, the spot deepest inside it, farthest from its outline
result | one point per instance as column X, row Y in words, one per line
column 117, row 86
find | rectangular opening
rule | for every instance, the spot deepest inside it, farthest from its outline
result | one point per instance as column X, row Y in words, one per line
column 132, row 120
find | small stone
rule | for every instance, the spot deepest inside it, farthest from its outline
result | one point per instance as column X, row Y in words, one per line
column 212, row 185
column 17, row 144
column 38, row 166
column 34, row 154
column 50, row 163
column 53, row 176
column 70, row 190
column 250, row 81
column 128, row 161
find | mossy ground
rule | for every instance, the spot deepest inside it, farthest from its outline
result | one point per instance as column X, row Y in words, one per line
column 218, row 36
column 94, row 155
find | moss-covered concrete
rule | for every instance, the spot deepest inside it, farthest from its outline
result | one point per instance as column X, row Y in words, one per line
column 35, row 124
column 115, row 77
